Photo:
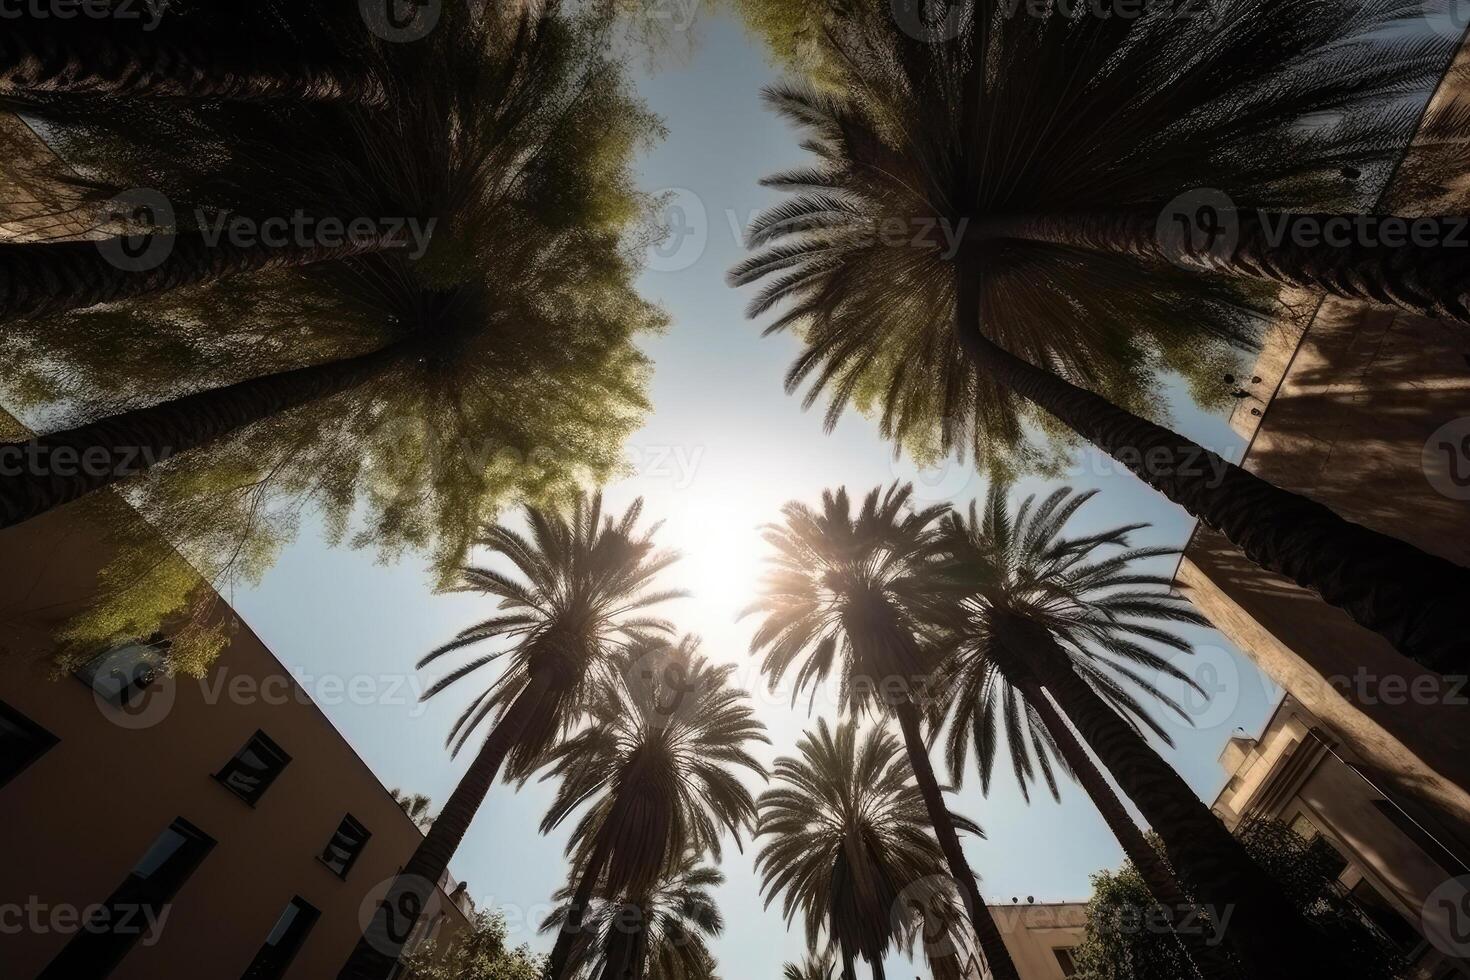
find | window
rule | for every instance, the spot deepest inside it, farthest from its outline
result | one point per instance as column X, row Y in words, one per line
column 22, row 742
column 249, row 774
column 344, row 847
column 284, row 941
column 1384, row 915
column 1064, row 960
column 120, row 676
column 137, row 909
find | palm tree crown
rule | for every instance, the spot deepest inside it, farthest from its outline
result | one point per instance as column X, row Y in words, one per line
column 843, row 594
column 587, row 579
column 659, row 758
column 668, row 926
column 849, row 843
column 930, row 142
column 1084, row 590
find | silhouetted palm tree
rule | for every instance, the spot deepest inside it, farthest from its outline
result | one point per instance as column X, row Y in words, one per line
column 814, row 967
column 843, row 594
column 849, row 847
column 195, row 50
column 587, row 579
column 955, row 261
column 1038, row 613
column 661, row 934
column 416, row 805
column 658, row 760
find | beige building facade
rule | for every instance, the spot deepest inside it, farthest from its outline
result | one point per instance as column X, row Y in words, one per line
column 163, row 827
column 1040, row 937
column 1394, row 866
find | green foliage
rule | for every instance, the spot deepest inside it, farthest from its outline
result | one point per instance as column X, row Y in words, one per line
column 1013, row 114
column 523, row 377
column 416, row 805
column 1127, row 941
column 482, row 953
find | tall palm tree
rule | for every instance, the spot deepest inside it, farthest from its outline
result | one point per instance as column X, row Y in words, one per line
column 196, row 50
column 849, row 847
column 660, row 934
column 845, row 593
column 587, row 579
column 924, row 292
column 1029, row 565
column 416, row 805
column 814, row 967
column 512, row 174
column 658, row 760
column 1070, row 618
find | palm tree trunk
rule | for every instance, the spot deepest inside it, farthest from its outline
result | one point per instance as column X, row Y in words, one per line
column 987, row 933
column 1424, row 268
column 1413, row 599
column 55, row 469
column 44, row 278
column 1270, row 937
column 382, row 943
column 1185, row 920
column 556, row 966
column 49, row 57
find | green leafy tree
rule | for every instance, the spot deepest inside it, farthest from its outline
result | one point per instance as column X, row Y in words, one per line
column 481, row 953
column 587, row 579
column 848, row 846
column 845, row 594
column 657, row 763
column 958, row 260
column 661, row 934
column 1127, row 939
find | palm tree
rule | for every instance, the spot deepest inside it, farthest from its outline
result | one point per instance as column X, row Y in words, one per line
column 850, row 849
column 196, row 51
column 516, row 278
column 416, row 805
column 661, row 934
column 814, row 967
column 924, row 293
column 658, row 760
column 1046, row 615
column 1028, row 564
column 587, row 579
column 844, row 593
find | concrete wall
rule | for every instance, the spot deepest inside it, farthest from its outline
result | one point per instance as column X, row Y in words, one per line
column 79, row 818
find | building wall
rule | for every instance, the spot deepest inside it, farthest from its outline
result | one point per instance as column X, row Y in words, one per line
column 1348, row 399
column 1032, row 932
column 1297, row 771
column 79, row 818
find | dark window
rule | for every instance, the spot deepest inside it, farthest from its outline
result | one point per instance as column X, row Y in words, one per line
column 284, row 941
column 346, row 844
column 1064, row 960
column 249, row 774
column 120, row 676
column 22, row 742
column 1383, row 915
column 137, row 909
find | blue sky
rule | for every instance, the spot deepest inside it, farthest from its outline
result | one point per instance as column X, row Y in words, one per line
column 723, row 449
